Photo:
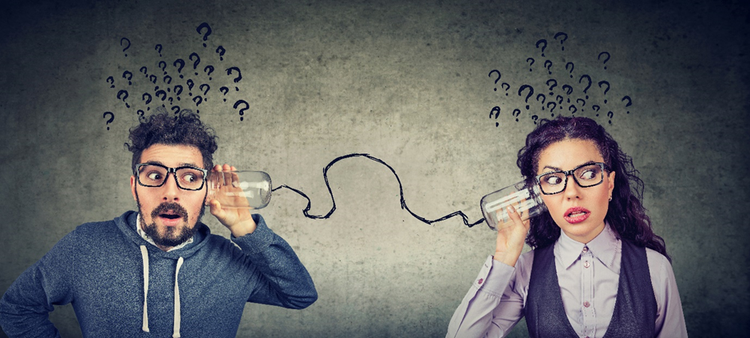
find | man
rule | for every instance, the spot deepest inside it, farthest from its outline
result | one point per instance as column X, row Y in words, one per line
column 160, row 272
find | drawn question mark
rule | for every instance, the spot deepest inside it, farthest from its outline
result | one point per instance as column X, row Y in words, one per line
column 209, row 69
column 531, row 63
column 630, row 102
column 239, row 74
column 531, row 92
column 176, row 92
column 573, row 108
column 144, row 70
column 568, row 89
column 542, row 42
column 553, row 85
column 205, row 91
column 162, row 93
column 127, row 75
column 224, row 90
column 565, row 37
column 496, row 110
column 197, row 60
column 605, row 90
column 516, row 113
column 605, row 60
column 152, row 78
column 490, row 75
column 198, row 100
column 596, row 109
column 180, row 62
column 544, row 98
column 582, row 102
column 126, row 47
column 158, row 49
column 610, row 114
column 122, row 95
column 206, row 34
column 112, row 118
column 506, row 86
column 176, row 109
column 144, row 97
column 585, row 76
column 141, row 115
column 163, row 66
column 190, row 84
column 548, row 65
column 242, row 111
column 534, row 118
column 554, row 105
column 168, row 79
column 559, row 100
column 111, row 81
column 571, row 68
column 221, row 52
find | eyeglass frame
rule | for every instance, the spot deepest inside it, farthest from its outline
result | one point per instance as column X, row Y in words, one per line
column 570, row 172
column 169, row 171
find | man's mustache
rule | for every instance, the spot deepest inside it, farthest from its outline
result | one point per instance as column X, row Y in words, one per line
column 170, row 206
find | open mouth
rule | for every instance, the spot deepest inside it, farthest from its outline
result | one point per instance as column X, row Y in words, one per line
column 170, row 214
column 576, row 215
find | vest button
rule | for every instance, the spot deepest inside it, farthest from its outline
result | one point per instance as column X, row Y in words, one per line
column 586, row 304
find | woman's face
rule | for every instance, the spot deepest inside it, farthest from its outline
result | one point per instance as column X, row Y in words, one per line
column 579, row 212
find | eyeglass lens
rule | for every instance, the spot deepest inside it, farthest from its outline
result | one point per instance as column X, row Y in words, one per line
column 585, row 176
column 155, row 176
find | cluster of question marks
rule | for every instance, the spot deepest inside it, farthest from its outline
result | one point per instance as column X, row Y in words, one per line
column 549, row 91
column 179, row 83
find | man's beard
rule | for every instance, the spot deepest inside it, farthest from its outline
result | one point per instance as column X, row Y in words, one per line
column 173, row 236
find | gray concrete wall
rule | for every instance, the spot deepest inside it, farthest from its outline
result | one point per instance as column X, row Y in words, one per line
column 409, row 83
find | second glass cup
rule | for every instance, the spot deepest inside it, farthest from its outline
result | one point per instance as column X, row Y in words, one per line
column 525, row 199
column 240, row 189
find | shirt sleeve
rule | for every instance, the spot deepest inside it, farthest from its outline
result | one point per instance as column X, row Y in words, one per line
column 670, row 321
column 283, row 281
column 495, row 301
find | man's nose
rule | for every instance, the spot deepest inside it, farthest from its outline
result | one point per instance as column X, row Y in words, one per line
column 171, row 190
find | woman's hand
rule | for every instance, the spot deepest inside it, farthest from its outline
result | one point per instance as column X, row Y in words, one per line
column 238, row 220
column 510, row 237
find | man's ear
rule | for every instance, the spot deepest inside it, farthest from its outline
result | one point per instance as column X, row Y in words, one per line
column 132, row 187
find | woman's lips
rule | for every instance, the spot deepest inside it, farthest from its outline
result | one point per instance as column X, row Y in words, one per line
column 576, row 215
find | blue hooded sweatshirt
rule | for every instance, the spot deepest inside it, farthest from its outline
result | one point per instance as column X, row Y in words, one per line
column 122, row 286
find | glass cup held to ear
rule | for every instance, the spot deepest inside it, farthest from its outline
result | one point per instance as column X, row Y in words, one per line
column 526, row 200
column 240, row 189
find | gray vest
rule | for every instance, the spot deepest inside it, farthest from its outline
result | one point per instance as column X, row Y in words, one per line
column 635, row 306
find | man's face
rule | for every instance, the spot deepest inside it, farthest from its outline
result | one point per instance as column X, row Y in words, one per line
column 168, row 213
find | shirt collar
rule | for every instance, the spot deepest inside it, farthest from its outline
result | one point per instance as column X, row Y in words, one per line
column 603, row 247
column 146, row 237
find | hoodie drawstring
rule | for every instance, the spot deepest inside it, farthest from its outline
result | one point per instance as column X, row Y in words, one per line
column 177, row 314
column 144, row 255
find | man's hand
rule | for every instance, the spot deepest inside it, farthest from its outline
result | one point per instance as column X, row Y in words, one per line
column 237, row 219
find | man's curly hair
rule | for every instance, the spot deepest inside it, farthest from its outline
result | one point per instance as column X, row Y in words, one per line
column 185, row 128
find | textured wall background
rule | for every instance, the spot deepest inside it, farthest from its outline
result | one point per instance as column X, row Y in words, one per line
column 409, row 83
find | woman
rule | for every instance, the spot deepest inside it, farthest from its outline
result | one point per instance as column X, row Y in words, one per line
column 598, row 268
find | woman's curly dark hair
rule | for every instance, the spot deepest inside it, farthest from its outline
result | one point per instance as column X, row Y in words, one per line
column 626, row 214
column 185, row 128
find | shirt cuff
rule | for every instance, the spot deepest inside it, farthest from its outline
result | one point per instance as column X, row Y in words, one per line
column 494, row 277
